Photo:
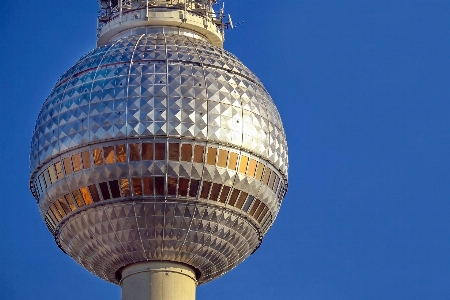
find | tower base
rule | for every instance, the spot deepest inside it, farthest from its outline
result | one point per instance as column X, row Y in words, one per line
column 158, row 280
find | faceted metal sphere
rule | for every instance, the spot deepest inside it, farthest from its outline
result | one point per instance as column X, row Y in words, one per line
column 158, row 147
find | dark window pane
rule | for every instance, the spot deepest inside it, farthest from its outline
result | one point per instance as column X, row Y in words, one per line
column 264, row 212
column 134, row 152
column 241, row 199
column 94, row 193
column 115, row 190
column 121, row 151
column 259, row 210
column 98, row 158
column 67, row 166
column 64, row 205
column 86, row 157
column 198, row 153
column 47, row 178
column 205, row 189
column 215, row 191
column 186, row 152
column 160, row 151
column 147, row 151
column 108, row 153
column 224, row 194
column 70, row 201
column 56, row 213
column 211, row 157
column 193, row 190
column 104, row 190
column 125, row 187
column 248, row 203
column 183, row 185
column 148, row 186
column 174, row 151
column 78, row 198
column 254, row 207
column 59, row 208
column 159, row 185
column 171, row 186
column 233, row 197
column 137, row 186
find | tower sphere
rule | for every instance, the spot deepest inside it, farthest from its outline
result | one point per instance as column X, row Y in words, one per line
column 158, row 146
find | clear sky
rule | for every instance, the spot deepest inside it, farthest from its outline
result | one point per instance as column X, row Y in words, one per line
column 363, row 88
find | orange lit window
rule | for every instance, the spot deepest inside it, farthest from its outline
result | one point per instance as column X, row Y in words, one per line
column 211, row 157
column 205, row 189
column 121, row 153
column 86, row 196
column 222, row 160
column 78, row 198
column 171, row 186
column 76, row 162
column 94, row 193
column 183, row 187
column 108, row 154
column 198, row 153
column 160, row 151
column 243, row 164
column 251, row 168
column 70, row 201
column 52, row 173
column 148, row 186
column 67, row 166
column 233, row 197
column 85, row 156
column 134, row 152
column 186, row 152
column 147, row 151
column 174, row 151
column 114, row 188
column 125, row 187
column 64, row 205
column 241, row 200
column 59, row 172
column 137, row 186
column 224, row 194
column 55, row 213
column 98, row 158
column 259, row 171
column 59, row 208
column 233, row 161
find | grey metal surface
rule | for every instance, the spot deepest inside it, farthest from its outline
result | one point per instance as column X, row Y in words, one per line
column 166, row 91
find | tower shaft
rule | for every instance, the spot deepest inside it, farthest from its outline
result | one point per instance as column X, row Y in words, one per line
column 158, row 280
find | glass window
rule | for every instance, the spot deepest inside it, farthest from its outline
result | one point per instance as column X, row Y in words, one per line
column 193, row 189
column 51, row 215
column 186, row 152
column 171, row 186
column 259, row 210
column 64, row 205
column 254, row 207
column 263, row 213
column 215, row 191
column 76, row 162
column 224, row 194
column 275, row 184
column 266, row 176
column 56, row 213
column 205, row 189
column 108, row 154
column 248, row 203
column 159, row 185
column 98, row 158
column 52, row 173
column 183, row 185
column 271, row 180
column 211, row 157
column 85, row 156
column 233, row 197
column 94, row 193
column 174, row 151
column 86, row 196
column 121, row 153
column 241, row 200
column 59, row 172
column 78, row 199
column 125, row 187
column 70, row 201
column 198, row 153
column 222, row 160
column 266, row 216
column 160, row 151
column 243, row 164
column 47, row 178
column 137, row 186
column 148, row 186
column 233, row 161
column 104, row 190
column 114, row 188
column 67, row 166
column 59, row 208
column 147, row 151
column 259, row 171
column 134, row 152
column 251, row 168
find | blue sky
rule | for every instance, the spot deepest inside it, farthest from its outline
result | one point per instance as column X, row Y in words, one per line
column 363, row 88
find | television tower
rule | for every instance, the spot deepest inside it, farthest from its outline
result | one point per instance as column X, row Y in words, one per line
column 159, row 161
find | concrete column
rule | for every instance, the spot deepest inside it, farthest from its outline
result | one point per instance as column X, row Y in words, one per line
column 158, row 280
